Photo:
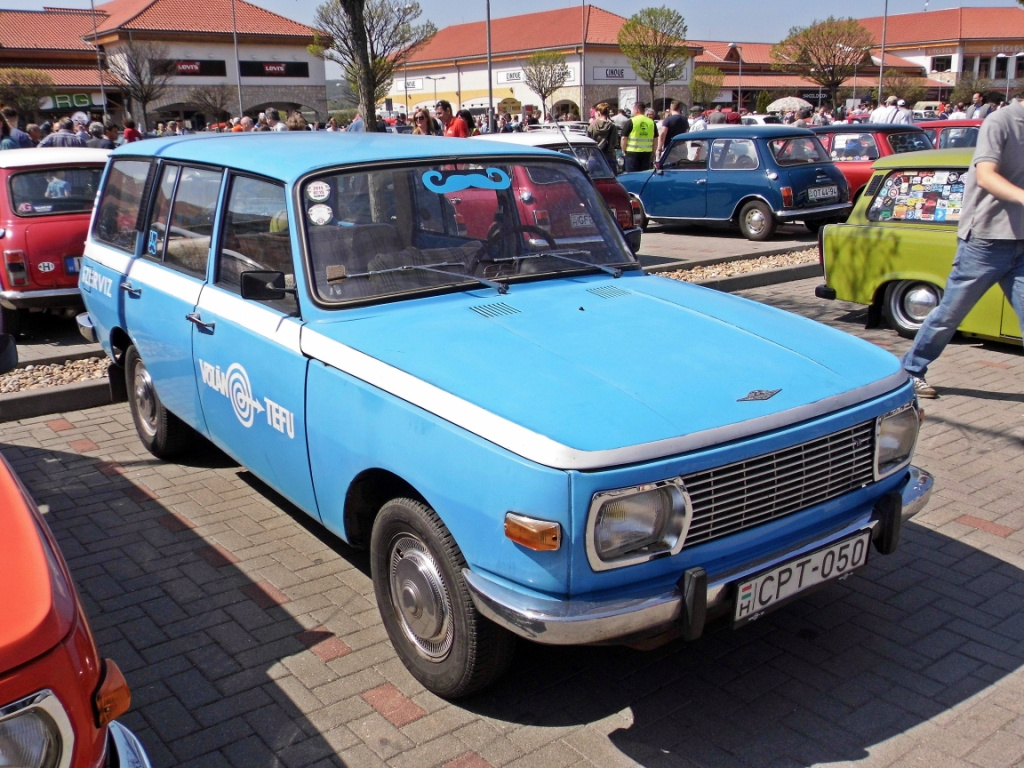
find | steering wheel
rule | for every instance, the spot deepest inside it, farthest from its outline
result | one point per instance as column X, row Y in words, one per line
column 499, row 231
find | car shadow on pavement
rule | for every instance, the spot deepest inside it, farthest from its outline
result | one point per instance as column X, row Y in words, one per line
column 215, row 656
column 829, row 678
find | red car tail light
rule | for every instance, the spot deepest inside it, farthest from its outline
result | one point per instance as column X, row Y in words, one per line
column 112, row 698
column 17, row 270
column 787, row 196
column 637, row 212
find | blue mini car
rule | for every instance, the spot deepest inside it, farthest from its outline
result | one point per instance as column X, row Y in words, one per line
column 533, row 437
column 755, row 176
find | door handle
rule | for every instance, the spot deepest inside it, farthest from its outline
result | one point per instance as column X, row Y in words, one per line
column 193, row 317
column 130, row 289
column 702, row 181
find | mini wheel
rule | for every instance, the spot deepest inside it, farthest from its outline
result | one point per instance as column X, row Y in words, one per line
column 425, row 603
column 907, row 303
column 163, row 433
column 756, row 221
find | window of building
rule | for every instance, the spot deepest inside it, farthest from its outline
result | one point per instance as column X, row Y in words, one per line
column 968, row 64
column 1000, row 73
column 942, row 63
column 984, row 66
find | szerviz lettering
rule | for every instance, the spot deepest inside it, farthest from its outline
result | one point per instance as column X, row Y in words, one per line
column 90, row 278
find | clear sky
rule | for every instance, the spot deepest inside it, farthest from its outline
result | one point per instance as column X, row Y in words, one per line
column 756, row 21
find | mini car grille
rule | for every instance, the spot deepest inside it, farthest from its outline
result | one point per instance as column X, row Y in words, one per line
column 739, row 496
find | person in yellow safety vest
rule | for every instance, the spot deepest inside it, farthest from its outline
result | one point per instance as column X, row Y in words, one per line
column 638, row 140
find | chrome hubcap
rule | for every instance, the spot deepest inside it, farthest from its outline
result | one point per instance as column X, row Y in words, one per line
column 918, row 303
column 755, row 221
column 420, row 598
column 145, row 399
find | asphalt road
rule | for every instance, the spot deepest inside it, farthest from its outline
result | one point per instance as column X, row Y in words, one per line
column 250, row 636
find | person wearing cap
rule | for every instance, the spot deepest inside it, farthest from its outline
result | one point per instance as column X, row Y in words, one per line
column 886, row 112
column 905, row 116
column 697, row 121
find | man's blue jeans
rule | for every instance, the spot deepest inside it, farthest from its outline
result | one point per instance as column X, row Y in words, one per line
column 979, row 264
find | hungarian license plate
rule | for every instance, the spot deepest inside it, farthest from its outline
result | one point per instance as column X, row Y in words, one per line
column 769, row 589
column 581, row 220
column 822, row 193
column 72, row 264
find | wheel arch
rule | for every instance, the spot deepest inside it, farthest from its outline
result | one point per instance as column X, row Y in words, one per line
column 750, row 198
column 370, row 490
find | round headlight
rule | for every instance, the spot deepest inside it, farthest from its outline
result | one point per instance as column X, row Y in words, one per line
column 29, row 739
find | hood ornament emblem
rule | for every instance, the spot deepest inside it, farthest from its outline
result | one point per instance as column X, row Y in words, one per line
column 759, row 394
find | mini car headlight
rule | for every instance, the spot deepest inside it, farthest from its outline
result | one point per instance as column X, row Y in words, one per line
column 633, row 525
column 29, row 739
column 895, row 439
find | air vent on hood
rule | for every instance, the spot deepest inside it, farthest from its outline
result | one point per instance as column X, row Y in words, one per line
column 495, row 310
column 608, row 292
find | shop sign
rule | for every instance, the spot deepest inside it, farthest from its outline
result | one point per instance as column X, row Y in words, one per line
column 407, row 85
column 71, row 101
column 614, row 73
column 1007, row 48
column 945, row 50
column 187, row 67
column 511, row 76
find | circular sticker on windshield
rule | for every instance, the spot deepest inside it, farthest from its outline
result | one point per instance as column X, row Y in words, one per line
column 318, row 191
column 320, row 214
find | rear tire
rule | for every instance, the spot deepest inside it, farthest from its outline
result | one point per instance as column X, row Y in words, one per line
column 907, row 303
column 756, row 221
column 163, row 433
column 10, row 321
column 426, row 606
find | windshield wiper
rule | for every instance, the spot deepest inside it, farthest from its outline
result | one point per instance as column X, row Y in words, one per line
column 334, row 277
column 612, row 270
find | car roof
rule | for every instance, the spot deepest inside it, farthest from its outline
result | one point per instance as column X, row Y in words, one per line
column 958, row 157
column 27, row 158
column 736, row 131
column 550, row 139
column 865, row 128
column 291, row 154
column 969, row 122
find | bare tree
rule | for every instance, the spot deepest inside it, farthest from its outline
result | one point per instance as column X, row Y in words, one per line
column 910, row 89
column 967, row 86
column 23, row 88
column 144, row 71
column 544, row 73
column 212, row 100
column 653, row 41
column 706, row 83
column 827, row 52
column 369, row 39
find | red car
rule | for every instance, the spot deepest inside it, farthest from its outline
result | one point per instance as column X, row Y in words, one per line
column 584, row 149
column 46, row 198
column 952, row 133
column 58, row 698
column 854, row 147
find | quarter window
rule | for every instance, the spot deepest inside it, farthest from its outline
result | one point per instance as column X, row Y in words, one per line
column 909, row 142
column 847, row 147
column 920, row 196
column 179, row 234
column 117, row 220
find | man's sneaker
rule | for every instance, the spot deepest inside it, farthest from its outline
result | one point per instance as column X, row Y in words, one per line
column 923, row 389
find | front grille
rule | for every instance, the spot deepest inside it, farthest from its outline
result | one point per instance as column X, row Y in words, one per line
column 739, row 496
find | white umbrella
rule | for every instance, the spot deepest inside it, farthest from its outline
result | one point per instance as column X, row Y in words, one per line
column 788, row 104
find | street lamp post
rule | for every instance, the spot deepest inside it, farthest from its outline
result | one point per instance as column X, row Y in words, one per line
column 435, row 79
column 881, row 55
column 739, row 80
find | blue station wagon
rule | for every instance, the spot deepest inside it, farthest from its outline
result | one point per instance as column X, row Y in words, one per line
column 756, row 177
column 491, row 406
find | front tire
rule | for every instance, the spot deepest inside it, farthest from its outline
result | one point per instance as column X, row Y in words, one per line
column 163, row 433
column 907, row 303
column 756, row 221
column 426, row 606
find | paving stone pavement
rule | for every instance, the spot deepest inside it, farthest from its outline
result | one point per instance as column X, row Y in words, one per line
column 250, row 636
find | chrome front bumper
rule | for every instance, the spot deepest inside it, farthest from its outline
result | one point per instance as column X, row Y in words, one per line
column 126, row 749
column 86, row 328
column 813, row 214
column 582, row 622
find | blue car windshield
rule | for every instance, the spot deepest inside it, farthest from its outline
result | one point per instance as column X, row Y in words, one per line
column 374, row 233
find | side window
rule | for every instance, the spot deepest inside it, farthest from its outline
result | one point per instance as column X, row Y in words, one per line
column 156, row 234
column 733, row 155
column 118, row 214
column 256, row 236
column 191, row 222
column 920, row 196
column 686, row 155
column 854, row 146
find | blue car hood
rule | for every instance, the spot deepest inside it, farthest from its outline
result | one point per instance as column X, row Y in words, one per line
column 570, row 372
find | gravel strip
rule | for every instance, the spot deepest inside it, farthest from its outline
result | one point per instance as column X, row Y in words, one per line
column 732, row 268
column 53, row 375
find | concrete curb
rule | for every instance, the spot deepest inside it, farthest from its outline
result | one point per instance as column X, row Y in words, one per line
column 672, row 266
column 764, row 277
column 67, row 397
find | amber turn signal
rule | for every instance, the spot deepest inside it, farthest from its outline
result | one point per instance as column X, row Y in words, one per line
column 540, row 535
column 112, row 698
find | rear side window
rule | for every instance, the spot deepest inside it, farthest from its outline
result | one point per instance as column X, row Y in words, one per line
column 909, row 142
column 54, row 191
column 119, row 207
column 179, row 231
column 848, row 147
column 918, row 196
column 733, row 155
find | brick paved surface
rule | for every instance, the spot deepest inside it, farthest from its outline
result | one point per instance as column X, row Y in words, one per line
column 250, row 636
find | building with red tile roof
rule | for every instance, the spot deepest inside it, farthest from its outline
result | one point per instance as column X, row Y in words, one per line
column 194, row 38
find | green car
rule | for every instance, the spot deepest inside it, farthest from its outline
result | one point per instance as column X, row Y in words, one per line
column 896, row 250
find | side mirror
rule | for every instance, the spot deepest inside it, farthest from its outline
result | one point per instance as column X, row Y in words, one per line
column 8, row 353
column 263, row 285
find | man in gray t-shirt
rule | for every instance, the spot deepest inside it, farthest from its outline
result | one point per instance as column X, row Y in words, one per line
column 990, row 236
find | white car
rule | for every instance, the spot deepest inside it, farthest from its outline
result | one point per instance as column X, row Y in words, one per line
column 761, row 120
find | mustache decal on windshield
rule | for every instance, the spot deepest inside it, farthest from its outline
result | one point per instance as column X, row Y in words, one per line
column 455, row 181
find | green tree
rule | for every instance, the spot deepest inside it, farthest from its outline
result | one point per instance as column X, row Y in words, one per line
column 910, row 89
column 544, row 73
column 705, row 85
column 23, row 88
column 827, row 52
column 653, row 41
column 369, row 39
column 144, row 71
column 763, row 100
column 967, row 86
